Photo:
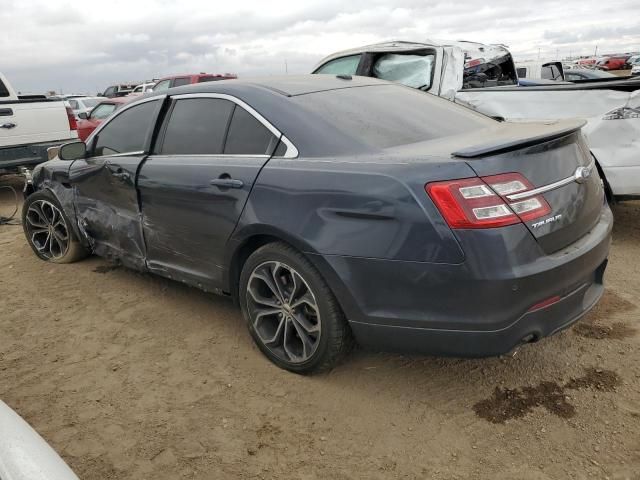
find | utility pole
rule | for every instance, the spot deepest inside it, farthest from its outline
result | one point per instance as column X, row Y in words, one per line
column 286, row 67
column 538, row 53
column 595, row 54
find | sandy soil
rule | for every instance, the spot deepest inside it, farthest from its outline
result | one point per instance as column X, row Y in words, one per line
column 129, row 376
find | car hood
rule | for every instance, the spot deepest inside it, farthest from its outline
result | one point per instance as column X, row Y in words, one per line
column 24, row 455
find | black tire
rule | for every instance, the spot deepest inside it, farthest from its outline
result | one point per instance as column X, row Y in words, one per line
column 334, row 339
column 72, row 251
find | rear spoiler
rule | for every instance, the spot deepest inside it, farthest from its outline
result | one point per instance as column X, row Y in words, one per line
column 521, row 138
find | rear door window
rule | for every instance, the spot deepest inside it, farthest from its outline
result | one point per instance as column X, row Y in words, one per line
column 341, row 66
column 197, row 126
column 248, row 136
column 128, row 132
column 414, row 71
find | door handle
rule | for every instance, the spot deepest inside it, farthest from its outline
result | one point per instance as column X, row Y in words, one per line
column 8, row 126
column 225, row 181
column 6, row 112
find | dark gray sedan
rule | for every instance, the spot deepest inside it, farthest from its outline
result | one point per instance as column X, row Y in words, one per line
column 333, row 208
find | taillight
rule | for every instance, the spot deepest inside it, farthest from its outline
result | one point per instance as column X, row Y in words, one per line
column 73, row 125
column 483, row 203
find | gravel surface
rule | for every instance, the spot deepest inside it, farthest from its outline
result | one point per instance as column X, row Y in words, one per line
column 131, row 376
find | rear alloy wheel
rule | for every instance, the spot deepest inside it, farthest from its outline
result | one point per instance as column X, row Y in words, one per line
column 284, row 311
column 292, row 315
column 47, row 230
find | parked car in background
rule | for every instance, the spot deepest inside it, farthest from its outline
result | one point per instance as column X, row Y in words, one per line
column 87, row 122
column 578, row 74
column 25, row 455
column 483, row 77
column 612, row 63
column 119, row 90
column 634, row 63
column 143, row 88
column 83, row 104
column 180, row 80
column 334, row 205
column 533, row 70
column 588, row 62
column 29, row 125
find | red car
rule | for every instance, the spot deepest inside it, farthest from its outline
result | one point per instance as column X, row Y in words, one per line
column 89, row 122
column 612, row 63
column 179, row 80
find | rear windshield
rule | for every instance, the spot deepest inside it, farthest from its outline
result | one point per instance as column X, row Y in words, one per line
column 386, row 116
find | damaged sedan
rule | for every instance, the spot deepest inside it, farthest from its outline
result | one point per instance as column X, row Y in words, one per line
column 333, row 208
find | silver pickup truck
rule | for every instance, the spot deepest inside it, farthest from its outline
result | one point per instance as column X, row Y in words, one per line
column 29, row 124
column 484, row 77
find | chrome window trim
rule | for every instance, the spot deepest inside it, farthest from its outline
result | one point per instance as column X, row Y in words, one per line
column 118, row 113
column 551, row 186
column 291, row 152
column 123, row 154
column 206, row 155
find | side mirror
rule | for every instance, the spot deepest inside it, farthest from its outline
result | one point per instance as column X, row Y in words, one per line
column 83, row 115
column 73, row 151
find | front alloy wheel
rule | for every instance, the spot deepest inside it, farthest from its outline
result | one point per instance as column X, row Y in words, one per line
column 47, row 230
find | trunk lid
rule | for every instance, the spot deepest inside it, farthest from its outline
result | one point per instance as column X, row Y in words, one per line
column 553, row 157
column 557, row 162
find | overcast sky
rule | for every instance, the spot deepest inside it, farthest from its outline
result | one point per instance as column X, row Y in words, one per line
column 83, row 46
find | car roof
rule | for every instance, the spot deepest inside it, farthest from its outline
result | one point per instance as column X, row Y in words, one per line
column 287, row 85
column 197, row 75
column 117, row 100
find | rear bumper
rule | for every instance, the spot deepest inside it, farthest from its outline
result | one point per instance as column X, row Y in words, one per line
column 481, row 307
column 530, row 327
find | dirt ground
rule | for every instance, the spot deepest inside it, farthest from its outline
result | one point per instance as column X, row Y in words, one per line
column 130, row 376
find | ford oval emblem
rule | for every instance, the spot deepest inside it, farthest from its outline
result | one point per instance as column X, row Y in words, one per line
column 582, row 174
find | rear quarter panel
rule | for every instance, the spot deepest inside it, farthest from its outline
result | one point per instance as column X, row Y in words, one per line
column 338, row 207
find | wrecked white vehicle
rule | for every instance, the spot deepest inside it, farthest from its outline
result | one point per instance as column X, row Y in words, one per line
column 24, row 455
column 484, row 77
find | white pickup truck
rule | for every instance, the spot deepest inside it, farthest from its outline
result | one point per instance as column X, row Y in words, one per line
column 484, row 77
column 29, row 125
